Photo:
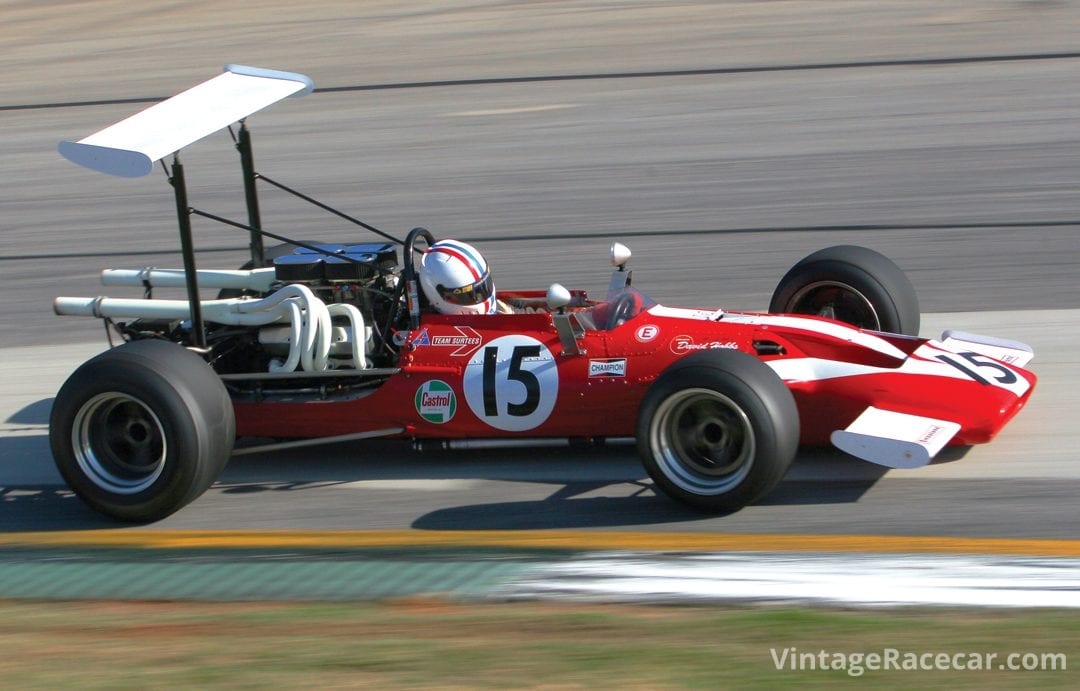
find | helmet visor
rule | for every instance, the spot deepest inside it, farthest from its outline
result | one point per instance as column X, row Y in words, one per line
column 472, row 294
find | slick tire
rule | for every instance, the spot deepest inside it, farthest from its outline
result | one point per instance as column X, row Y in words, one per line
column 718, row 430
column 142, row 430
column 851, row 284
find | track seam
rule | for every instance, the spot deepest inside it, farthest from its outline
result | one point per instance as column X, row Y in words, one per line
column 643, row 74
column 849, row 228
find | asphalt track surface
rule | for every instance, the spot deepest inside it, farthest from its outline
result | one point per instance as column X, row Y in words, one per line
column 721, row 141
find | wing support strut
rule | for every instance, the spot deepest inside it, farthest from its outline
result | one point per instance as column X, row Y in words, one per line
column 187, row 251
column 130, row 148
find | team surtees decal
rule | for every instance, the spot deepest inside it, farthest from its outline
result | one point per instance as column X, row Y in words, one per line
column 647, row 333
column 681, row 345
column 436, row 402
column 512, row 383
column 466, row 341
column 609, row 367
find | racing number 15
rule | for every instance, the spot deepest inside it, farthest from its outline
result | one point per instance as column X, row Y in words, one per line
column 515, row 373
column 512, row 383
column 980, row 362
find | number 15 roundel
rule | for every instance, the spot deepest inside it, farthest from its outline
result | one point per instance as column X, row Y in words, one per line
column 511, row 383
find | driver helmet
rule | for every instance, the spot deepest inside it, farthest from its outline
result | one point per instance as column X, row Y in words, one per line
column 456, row 279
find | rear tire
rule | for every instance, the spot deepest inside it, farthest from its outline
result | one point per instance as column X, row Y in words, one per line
column 718, row 430
column 851, row 284
column 142, row 430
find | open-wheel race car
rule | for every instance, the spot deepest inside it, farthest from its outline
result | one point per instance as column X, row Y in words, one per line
column 314, row 343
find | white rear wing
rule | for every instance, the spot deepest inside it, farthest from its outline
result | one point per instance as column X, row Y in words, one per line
column 130, row 147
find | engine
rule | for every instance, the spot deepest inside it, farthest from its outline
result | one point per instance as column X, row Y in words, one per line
column 314, row 311
column 355, row 285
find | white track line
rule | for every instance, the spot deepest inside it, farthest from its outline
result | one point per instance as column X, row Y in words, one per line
column 846, row 579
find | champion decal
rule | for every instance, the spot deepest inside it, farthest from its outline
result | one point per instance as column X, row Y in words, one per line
column 608, row 367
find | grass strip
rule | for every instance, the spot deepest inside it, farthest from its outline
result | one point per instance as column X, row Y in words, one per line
column 420, row 642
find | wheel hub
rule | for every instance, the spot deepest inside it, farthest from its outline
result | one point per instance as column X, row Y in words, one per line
column 704, row 441
column 836, row 300
column 119, row 443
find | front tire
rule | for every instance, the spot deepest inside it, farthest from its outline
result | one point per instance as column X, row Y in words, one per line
column 142, row 430
column 718, row 430
column 852, row 284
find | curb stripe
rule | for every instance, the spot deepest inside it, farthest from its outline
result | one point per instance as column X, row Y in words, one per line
column 540, row 539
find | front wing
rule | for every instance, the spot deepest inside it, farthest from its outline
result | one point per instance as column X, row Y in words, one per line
column 904, row 440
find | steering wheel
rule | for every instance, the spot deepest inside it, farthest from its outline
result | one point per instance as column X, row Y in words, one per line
column 623, row 309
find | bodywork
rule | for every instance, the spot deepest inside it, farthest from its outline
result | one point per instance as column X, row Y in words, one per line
column 508, row 375
column 331, row 342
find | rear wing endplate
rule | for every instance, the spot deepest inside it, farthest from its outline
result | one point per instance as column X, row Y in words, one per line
column 130, row 147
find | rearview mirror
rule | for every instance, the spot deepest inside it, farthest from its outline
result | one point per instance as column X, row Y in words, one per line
column 620, row 254
column 558, row 297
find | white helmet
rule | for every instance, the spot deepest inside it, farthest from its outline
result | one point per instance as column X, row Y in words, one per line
column 456, row 279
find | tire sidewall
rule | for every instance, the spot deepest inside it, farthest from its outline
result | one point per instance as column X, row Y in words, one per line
column 191, row 405
column 758, row 392
column 874, row 275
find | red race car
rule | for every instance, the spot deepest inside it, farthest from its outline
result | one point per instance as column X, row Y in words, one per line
column 313, row 343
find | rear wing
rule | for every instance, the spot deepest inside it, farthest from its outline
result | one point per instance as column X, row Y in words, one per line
column 130, row 147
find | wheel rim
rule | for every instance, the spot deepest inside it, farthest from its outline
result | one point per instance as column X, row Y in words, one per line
column 703, row 441
column 119, row 443
column 836, row 300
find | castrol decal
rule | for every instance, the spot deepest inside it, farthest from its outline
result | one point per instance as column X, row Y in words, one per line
column 436, row 402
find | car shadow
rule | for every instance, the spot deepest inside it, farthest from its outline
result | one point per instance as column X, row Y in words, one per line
column 37, row 413
column 571, row 507
column 48, row 508
column 560, row 513
column 590, row 487
column 593, row 488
